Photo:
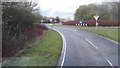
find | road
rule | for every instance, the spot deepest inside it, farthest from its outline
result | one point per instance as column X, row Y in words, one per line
column 87, row 49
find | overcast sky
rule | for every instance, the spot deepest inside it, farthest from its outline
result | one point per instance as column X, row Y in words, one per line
column 62, row 8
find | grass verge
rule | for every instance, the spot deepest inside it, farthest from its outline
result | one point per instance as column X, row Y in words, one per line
column 45, row 51
column 112, row 34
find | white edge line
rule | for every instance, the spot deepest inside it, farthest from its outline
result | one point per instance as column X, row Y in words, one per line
column 91, row 43
column 64, row 47
column 64, row 44
column 110, row 63
column 107, row 38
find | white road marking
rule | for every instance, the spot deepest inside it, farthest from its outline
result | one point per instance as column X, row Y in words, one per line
column 102, row 53
column 64, row 48
column 64, row 44
column 110, row 63
column 91, row 43
column 107, row 38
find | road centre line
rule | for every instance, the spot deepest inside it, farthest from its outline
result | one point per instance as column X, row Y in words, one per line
column 102, row 53
column 91, row 43
column 64, row 49
column 110, row 63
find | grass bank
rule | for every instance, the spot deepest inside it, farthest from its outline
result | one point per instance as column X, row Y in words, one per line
column 45, row 51
column 112, row 34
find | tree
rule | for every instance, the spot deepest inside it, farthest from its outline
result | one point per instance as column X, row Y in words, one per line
column 57, row 19
column 17, row 17
column 106, row 10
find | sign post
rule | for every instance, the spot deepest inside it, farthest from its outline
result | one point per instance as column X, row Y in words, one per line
column 81, row 21
column 96, row 18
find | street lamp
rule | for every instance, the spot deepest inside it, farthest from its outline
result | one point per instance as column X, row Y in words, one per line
column 96, row 18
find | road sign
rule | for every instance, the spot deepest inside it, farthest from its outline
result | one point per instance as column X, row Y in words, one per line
column 81, row 22
column 96, row 17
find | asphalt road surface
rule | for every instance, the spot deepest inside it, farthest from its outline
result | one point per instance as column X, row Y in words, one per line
column 87, row 49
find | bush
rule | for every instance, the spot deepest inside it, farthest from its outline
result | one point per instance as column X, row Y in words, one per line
column 18, row 27
column 92, row 22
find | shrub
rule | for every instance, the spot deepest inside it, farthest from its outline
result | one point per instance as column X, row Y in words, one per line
column 92, row 22
column 18, row 27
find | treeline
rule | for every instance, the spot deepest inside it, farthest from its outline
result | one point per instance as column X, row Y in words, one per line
column 47, row 20
column 106, row 11
column 18, row 26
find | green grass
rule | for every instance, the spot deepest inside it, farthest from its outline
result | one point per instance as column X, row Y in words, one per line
column 112, row 34
column 45, row 51
column 55, row 24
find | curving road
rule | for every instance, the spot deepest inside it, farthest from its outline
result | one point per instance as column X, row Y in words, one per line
column 86, row 49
